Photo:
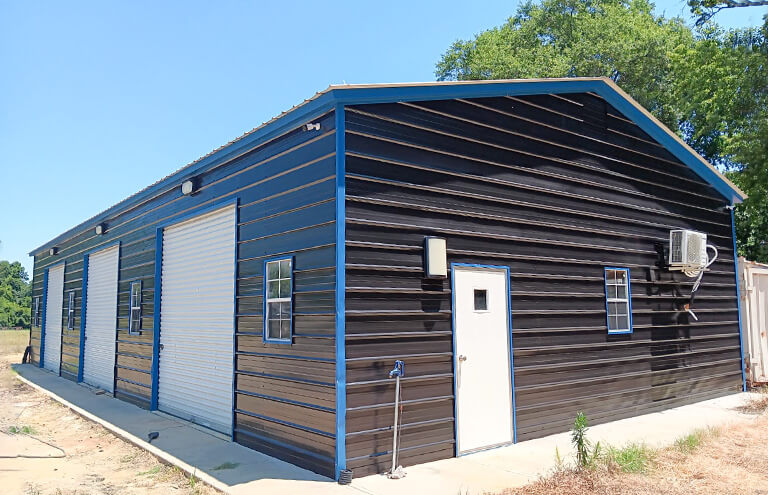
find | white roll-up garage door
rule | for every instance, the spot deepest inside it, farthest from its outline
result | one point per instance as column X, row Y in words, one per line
column 197, row 319
column 54, row 299
column 101, row 319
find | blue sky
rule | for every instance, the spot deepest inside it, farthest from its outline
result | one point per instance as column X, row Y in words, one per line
column 100, row 99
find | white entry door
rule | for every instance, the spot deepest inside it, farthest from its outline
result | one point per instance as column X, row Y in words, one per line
column 482, row 358
column 54, row 299
column 197, row 311
column 101, row 319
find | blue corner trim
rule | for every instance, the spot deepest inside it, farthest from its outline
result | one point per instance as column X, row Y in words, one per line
column 159, row 279
column 453, row 350
column 156, row 318
column 42, row 325
column 341, row 357
column 234, row 321
column 264, row 333
column 83, row 315
column 629, row 299
column 738, row 301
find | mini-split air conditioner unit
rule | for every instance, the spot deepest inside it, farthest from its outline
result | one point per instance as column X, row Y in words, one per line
column 688, row 252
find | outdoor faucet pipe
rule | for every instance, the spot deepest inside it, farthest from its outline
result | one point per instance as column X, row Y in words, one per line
column 399, row 370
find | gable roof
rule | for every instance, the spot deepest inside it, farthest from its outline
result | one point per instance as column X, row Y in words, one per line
column 354, row 94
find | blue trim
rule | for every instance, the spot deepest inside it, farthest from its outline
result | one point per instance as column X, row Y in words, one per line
column 629, row 300
column 337, row 98
column 158, row 285
column 264, row 334
column 156, row 318
column 511, row 352
column 42, row 325
column 83, row 303
column 234, row 320
column 341, row 287
column 738, row 301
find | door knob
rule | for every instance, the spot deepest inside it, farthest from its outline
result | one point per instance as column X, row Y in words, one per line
column 462, row 358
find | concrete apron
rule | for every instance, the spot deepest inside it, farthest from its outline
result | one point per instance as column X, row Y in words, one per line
column 197, row 452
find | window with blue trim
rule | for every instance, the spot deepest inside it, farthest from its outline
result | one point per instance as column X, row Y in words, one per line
column 36, row 316
column 71, row 311
column 618, row 300
column 278, row 296
column 134, row 318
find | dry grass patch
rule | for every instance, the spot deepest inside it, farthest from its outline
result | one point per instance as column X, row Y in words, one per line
column 727, row 460
column 14, row 342
column 757, row 403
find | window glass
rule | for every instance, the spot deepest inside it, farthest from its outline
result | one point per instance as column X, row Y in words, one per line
column 36, row 314
column 481, row 300
column 134, row 318
column 71, row 310
column 278, row 301
column 618, row 303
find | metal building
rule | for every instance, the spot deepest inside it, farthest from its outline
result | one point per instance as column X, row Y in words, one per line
column 508, row 240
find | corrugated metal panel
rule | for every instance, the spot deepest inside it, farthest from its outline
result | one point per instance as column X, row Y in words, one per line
column 101, row 319
column 754, row 296
column 54, row 299
column 197, row 319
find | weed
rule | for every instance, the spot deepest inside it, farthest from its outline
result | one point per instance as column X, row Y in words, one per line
column 155, row 470
column 688, row 443
column 24, row 430
column 192, row 481
column 226, row 465
column 632, row 458
column 586, row 454
column 559, row 465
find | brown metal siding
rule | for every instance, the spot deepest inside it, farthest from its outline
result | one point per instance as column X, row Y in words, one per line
column 285, row 401
column 556, row 188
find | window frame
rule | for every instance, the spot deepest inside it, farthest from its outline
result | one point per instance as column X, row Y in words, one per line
column 627, row 300
column 71, row 310
column 132, row 306
column 265, row 333
column 36, row 314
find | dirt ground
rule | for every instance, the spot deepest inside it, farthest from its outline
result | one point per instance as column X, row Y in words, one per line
column 88, row 459
column 728, row 460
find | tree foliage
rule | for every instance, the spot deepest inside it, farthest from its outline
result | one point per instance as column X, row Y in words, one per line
column 707, row 84
column 15, row 295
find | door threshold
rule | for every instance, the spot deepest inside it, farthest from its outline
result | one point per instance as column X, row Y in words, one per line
column 201, row 428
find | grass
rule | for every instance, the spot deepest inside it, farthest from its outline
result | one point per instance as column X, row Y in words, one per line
column 13, row 341
column 155, row 470
column 226, row 465
column 690, row 442
column 24, row 430
column 632, row 458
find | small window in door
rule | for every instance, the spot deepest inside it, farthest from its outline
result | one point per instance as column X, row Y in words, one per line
column 481, row 300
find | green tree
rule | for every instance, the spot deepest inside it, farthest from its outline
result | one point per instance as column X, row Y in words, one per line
column 15, row 295
column 708, row 85
column 619, row 39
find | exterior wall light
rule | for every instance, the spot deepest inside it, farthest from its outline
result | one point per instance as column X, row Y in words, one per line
column 435, row 257
column 187, row 187
column 53, row 251
column 100, row 229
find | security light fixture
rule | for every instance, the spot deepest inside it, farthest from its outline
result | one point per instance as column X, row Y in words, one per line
column 53, row 251
column 100, row 229
column 312, row 126
column 435, row 257
column 187, row 187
